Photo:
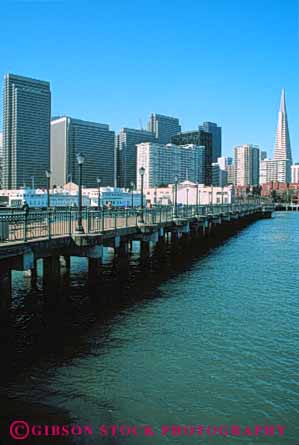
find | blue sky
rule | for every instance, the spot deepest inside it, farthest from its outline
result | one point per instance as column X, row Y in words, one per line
column 115, row 62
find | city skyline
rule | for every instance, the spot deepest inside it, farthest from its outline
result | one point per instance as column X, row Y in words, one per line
column 27, row 118
column 227, row 151
column 237, row 86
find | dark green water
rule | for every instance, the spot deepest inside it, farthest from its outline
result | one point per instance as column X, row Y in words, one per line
column 211, row 342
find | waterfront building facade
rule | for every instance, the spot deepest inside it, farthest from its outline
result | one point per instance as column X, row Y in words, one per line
column 189, row 193
column 200, row 138
column 26, row 131
column 246, row 162
column 126, row 145
column 212, row 127
column 67, row 196
column 163, row 127
column 96, row 141
column 38, row 198
column 163, row 162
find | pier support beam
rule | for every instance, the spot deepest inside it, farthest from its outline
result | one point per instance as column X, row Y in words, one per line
column 122, row 250
column 145, row 249
column 65, row 261
column 5, row 291
column 94, row 267
column 130, row 246
column 51, row 272
column 95, row 255
column 32, row 274
column 161, row 234
column 174, row 236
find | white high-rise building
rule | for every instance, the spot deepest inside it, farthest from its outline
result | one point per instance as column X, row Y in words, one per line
column 282, row 150
column 163, row 162
column 271, row 170
column 247, row 165
column 295, row 173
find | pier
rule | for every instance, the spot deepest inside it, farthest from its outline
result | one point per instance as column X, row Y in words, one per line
column 287, row 207
column 54, row 236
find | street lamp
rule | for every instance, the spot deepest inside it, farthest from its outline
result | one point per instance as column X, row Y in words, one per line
column 80, row 160
column 99, row 191
column 141, row 172
column 197, row 198
column 132, row 185
column 176, row 180
column 48, row 176
column 187, row 192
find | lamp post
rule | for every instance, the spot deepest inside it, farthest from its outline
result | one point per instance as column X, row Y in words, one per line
column 132, row 185
column 176, row 180
column 197, row 198
column 99, row 192
column 141, row 172
column 187, row 200
column 48, row 176
column 80, row 160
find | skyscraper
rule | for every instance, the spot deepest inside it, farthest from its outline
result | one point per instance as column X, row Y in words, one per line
column 1, row 159
column 26, row 131
column 198, row 137
column 163, row 162
column 216, row 131
column 271, row 170
column 225, row 165
column 164, row 127
column 295, row 173
column 71, row 136
column 127, row 141
column 247, row 165
column 282, row 150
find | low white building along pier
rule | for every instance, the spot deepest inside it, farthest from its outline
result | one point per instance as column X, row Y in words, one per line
column 189, row 193
column 67, row 196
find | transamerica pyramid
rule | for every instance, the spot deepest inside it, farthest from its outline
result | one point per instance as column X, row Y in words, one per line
column 282, row 144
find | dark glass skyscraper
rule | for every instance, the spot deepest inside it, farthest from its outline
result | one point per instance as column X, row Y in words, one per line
column 198, row 138
column 164, row 127
column 26, row 131
column 216, row 131
column 127, row 141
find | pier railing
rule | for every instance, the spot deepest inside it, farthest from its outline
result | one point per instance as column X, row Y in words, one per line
column 20, row 225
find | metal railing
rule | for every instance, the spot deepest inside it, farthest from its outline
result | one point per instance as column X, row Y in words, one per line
column 20, row 225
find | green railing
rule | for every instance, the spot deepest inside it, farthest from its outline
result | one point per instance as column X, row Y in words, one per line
column 20, row 225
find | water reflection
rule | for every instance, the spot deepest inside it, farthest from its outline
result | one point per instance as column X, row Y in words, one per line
column 202, row 336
